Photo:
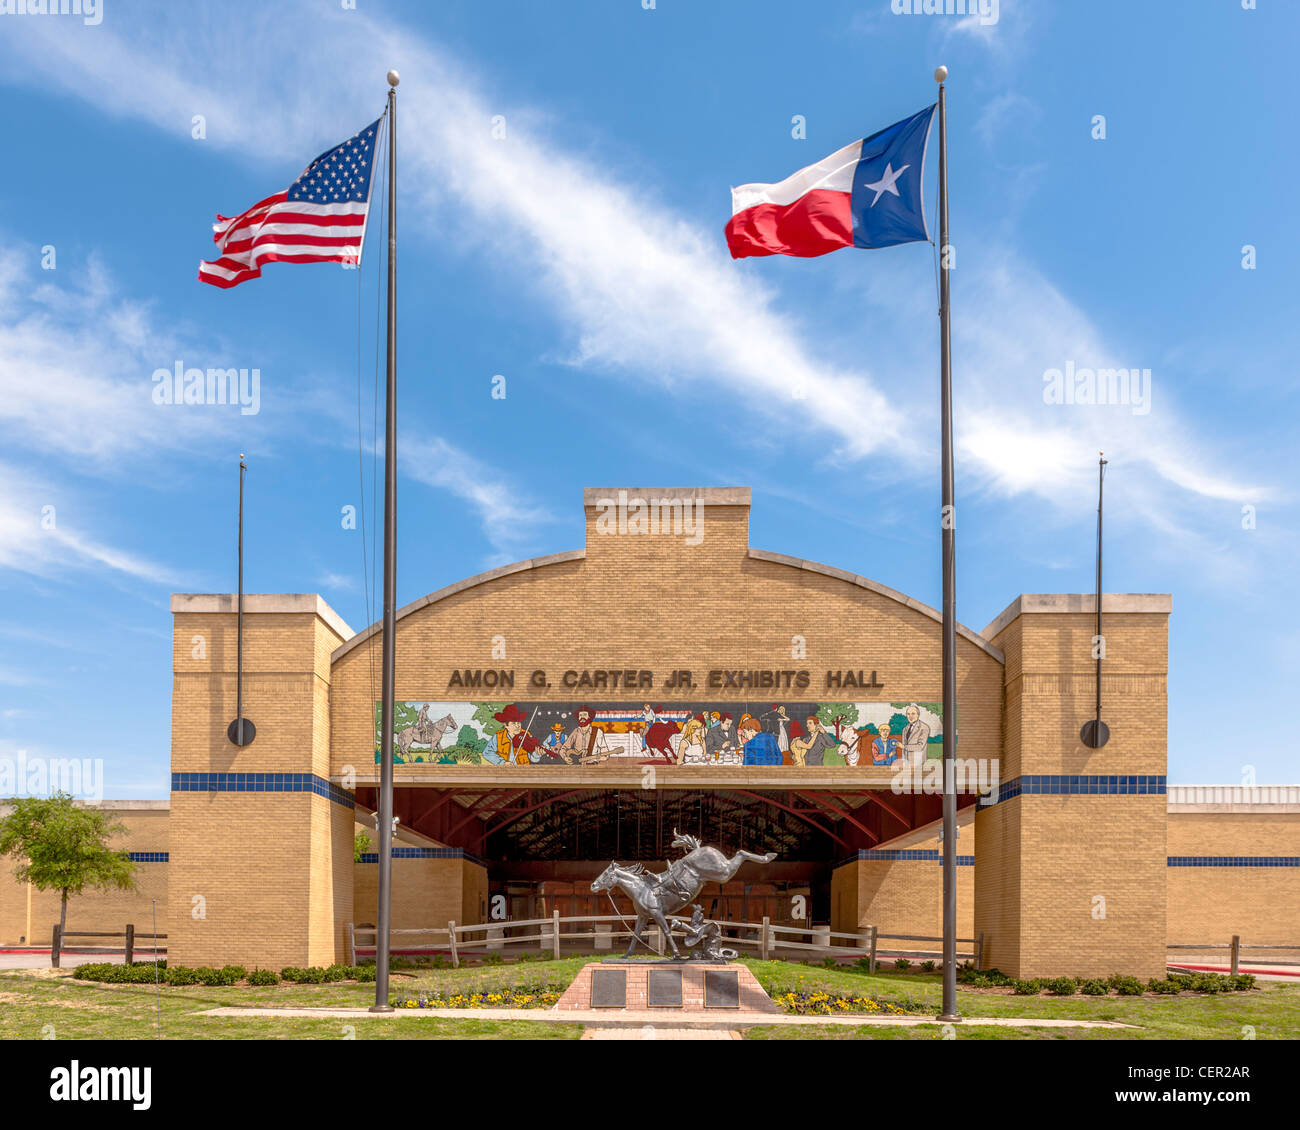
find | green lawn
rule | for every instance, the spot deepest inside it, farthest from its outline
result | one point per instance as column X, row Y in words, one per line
column 80, row 1011
column 30, row 1001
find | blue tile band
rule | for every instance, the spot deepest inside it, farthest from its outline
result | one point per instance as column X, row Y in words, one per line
column 1077, row 784
column 262, row 783
column 425, row 853
column 1234, row 861
column 148, row 856
column 903, row 855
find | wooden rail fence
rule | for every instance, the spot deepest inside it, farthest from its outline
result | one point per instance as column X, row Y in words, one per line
column 601, row 931
column 60, row 936
column 1234, row 949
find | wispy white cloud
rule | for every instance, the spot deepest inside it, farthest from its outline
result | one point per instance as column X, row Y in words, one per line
column 76, row 361
column 509, row 519
column 38, row 535
column 645, row 293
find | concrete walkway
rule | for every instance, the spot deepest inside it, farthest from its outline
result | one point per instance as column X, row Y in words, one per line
column 657, row 1019
column 652, row 1033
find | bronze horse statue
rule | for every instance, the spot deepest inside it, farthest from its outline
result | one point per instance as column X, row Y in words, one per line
column 657, row 896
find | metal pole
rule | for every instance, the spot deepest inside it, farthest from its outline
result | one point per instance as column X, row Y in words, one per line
column 1095, row 732
column 239, row 623
column 384, row 917
column 949, row 537
column 1101, row 467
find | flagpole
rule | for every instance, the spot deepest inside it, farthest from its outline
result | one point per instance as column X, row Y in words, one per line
column 383, row 919
column 241, row 731
column 949, row 537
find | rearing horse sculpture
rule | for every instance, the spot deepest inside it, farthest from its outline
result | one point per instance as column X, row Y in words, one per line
column 657, row 896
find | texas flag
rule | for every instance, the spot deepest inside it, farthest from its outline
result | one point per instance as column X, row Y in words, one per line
column 867, row 194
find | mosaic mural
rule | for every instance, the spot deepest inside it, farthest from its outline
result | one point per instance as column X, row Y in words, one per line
column 796, row 734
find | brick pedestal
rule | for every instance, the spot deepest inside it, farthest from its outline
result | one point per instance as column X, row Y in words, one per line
column 752, row 996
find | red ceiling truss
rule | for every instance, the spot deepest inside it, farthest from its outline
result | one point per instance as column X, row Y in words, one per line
column 521, row 825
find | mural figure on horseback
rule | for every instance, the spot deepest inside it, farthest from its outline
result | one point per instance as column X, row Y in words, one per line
column 658, row 897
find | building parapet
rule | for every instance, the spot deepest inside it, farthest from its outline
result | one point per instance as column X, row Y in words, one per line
column 1158, row 603
column 260, row 604
column 1234, row 798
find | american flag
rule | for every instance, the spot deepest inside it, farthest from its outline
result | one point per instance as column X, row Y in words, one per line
column 320, row 218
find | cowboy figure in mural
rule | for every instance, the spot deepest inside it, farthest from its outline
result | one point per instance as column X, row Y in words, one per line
column 554, row 740
column 586, row 743
column 514, row 743
column 648, row 719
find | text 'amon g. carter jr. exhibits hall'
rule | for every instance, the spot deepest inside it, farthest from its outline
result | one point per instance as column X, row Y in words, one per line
column 561, row 712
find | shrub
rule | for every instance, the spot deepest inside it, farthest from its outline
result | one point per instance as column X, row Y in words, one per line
column 263, row 977
column 314, row 975
column 1126, row 986
column 363, row 972
column 206, row 975
column 237, row 972
column 1062, row 986
column 180, row 975
column 108, row 973
column 1242, row 982
column 336, row 973
column 493, row 959
column 1167, row 985
column 1094, row 988
column 1030, row 988
column 926, row 966
column 902, row 963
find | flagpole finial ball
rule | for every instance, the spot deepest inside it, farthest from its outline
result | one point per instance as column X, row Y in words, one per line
column 394, row 78
column 940, row 73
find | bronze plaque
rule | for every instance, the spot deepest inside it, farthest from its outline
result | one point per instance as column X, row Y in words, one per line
column 609, row 988
column 664, row 988
column 721, row 988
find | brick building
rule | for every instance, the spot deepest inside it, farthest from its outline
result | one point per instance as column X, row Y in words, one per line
column 671, row 633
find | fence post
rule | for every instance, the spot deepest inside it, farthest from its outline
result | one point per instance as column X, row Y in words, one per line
column 352, row 945
column 129, row 956
column 555, row 933
column 765, row 940
column 451, row 938
column 979, row 952
column 56, row 944
column 875, row 937
column 1236, row 953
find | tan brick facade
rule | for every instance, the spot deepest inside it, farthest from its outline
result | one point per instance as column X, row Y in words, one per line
column 1082, row 891
column 1229, row 870
column 265, row 875
column 260, row 868
column 426, row 893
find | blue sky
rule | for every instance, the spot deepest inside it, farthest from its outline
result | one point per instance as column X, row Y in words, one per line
column 582, row 258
